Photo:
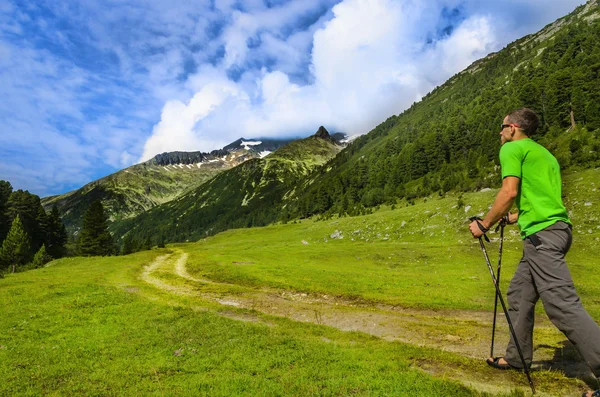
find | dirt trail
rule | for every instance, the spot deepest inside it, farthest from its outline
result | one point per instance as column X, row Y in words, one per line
column 466, row 333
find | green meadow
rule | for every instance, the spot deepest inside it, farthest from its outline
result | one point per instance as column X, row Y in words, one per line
column 224, row 315
column 418, row 255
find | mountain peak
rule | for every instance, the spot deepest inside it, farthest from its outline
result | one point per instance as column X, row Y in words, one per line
column 322, row 133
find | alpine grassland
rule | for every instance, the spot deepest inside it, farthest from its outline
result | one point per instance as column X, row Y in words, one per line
column 419, row 256
column 397, row 302
column 92, row 327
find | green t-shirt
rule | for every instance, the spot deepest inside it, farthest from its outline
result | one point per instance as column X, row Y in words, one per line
column 539, row 199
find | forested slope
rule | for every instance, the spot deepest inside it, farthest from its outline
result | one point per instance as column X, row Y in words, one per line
column 450, row 139
column 447, row 141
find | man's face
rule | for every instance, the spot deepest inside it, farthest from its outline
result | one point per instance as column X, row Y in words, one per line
column 506, row 133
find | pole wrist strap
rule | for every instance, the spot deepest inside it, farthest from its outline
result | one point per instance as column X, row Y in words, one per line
column 481, row 227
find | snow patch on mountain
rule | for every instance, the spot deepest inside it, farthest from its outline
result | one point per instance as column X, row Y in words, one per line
column 246, row 144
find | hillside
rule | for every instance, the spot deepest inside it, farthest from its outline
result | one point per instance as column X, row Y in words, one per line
column 450, row 141
column 141, row 187
column 244, row 196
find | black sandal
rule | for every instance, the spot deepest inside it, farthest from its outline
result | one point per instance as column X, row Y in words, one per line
column 495, row 363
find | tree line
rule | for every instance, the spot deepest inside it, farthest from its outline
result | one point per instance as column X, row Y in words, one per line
column 29, row 236
column 96, row 240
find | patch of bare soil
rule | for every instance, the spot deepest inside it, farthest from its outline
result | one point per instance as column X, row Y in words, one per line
column 467, row 333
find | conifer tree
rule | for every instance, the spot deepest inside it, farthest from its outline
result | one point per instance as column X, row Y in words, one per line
column 95, row 239
column 33, row 217
column 42, row 229
column 41, row 257
column 5, row 191
column 161, row 241
column 57, row 235
column 25, row 205
column 15, row 248
column 147, row 245
column 128, row 246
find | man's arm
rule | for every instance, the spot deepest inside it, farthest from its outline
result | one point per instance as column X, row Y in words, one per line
column 503, row 202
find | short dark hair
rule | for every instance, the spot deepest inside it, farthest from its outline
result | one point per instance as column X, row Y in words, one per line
column 526, row 118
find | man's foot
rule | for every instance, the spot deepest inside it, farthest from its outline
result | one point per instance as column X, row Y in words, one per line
column 500, row 363
column 590, row 393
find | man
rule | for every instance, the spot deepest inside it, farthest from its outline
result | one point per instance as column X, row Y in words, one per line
column 531, row 178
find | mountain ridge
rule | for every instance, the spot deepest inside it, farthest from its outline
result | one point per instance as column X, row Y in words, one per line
column 140, row 187
column 239, row 197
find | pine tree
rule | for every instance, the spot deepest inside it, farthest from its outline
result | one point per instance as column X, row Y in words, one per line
column 15, row 248
column 41, row 257
column 41, row 232
column 57, row 235
column 161, row 241
column 29, row 209
column 95, row 239
column 147, row 245
column 128, row 246
column 5, row 191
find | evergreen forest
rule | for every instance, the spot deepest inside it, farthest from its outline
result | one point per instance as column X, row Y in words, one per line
column 29, row 236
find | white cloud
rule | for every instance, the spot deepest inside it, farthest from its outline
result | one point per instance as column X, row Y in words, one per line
column 474, row 38
column 365, row 67
column 84, row 83
column 176, row 130
column 236, row 47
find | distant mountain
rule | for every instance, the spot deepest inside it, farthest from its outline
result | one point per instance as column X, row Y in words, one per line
column 165, row 177
column 246, row 195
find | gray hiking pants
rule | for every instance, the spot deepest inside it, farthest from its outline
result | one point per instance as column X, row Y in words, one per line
column 543, row 273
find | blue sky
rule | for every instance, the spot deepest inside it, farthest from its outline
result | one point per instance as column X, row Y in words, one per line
column 88, row 88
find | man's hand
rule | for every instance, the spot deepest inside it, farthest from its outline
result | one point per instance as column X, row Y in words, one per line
column 513, row 218
column 475, row 229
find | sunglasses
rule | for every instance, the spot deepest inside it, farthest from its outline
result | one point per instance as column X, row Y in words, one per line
column 503, row 126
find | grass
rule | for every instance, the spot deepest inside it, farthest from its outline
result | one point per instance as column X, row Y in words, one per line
column 419, row 256
column 93, row 327
column 87, row 327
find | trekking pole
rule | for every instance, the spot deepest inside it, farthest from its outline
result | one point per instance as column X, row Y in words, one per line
column 499, row 295
column 503, row 222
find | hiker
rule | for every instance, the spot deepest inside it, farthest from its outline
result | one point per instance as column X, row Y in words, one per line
column 531, row 178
